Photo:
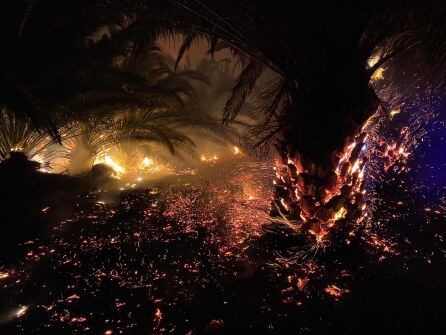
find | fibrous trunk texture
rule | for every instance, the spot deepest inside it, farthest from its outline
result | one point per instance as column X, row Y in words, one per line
column 322, row 201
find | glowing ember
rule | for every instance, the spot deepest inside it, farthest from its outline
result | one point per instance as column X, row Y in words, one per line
column 21, row 311
column 78, row 320
column 335, row 291
column 340, row 214
column 315, row 199
column 373, row 60
column 237, row 151
column 378, row 74
column 4, row 275
column 158, row 317
column 394, row 112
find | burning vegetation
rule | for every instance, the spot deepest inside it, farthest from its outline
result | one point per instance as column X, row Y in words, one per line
column 258, row 188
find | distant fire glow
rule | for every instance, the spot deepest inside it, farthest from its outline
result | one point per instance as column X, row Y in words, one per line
column 209, row 158
column 110, row 162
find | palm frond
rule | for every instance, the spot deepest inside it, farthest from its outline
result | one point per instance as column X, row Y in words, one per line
column 243, row 87
column 185, row 46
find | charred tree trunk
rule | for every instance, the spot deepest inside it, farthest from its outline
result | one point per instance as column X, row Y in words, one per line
column 319, row 172
column 320, row 199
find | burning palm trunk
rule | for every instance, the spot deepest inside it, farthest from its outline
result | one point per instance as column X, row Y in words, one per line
column 318, row 200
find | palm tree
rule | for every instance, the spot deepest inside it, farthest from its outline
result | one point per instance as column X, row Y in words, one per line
column 113, row 88
column 19, row 135
column 325, row 54
column 148, row 131
column 222, row 74
column 161, row 107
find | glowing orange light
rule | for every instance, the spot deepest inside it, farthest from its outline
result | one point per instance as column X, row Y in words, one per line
column 21, row 311
column 146, row 162
column 340, row 214
column 210, row 159
column 378, row 74
column 394, row 112
column 4, row 275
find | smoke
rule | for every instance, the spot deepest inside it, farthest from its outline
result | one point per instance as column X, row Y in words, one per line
column 222, row 71
column 81, row 160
